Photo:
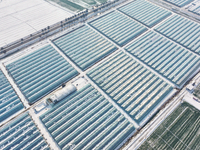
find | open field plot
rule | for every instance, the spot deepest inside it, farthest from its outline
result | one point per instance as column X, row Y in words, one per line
column 179, row 3
column 9, row 101
column 84, row 47
column 182, row 31
column 86, row 120
column 180, row 130
column 40, row 72
column 169, row 59
column 21, row 133
column 145, row 12
column 133, row 87
column 118, row 27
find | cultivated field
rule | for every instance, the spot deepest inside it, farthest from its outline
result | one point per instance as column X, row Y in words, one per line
column 181, row 130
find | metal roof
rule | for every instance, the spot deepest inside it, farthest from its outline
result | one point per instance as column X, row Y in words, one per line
column 84, row 46
column 182, row 31
column 40, row 72
column 21, row 133
column 167, row 58
column 133, row 87
column 118, row 27
column 9, row 101
column 145, row 12
column 179, row 3
column 86, row 120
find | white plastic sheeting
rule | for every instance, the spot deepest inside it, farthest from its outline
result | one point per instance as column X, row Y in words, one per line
column 20, row 18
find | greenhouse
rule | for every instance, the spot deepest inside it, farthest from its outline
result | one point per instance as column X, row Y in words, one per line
column 86, row 120
column 99, row 75
column 84, row 46
column 9, row 101
column 182, row 31
column 145, row 12
column 21, row 133
column 40, row 72
column 179, row 3
column 170, row 60
column 118, row 27
column 133, row 87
